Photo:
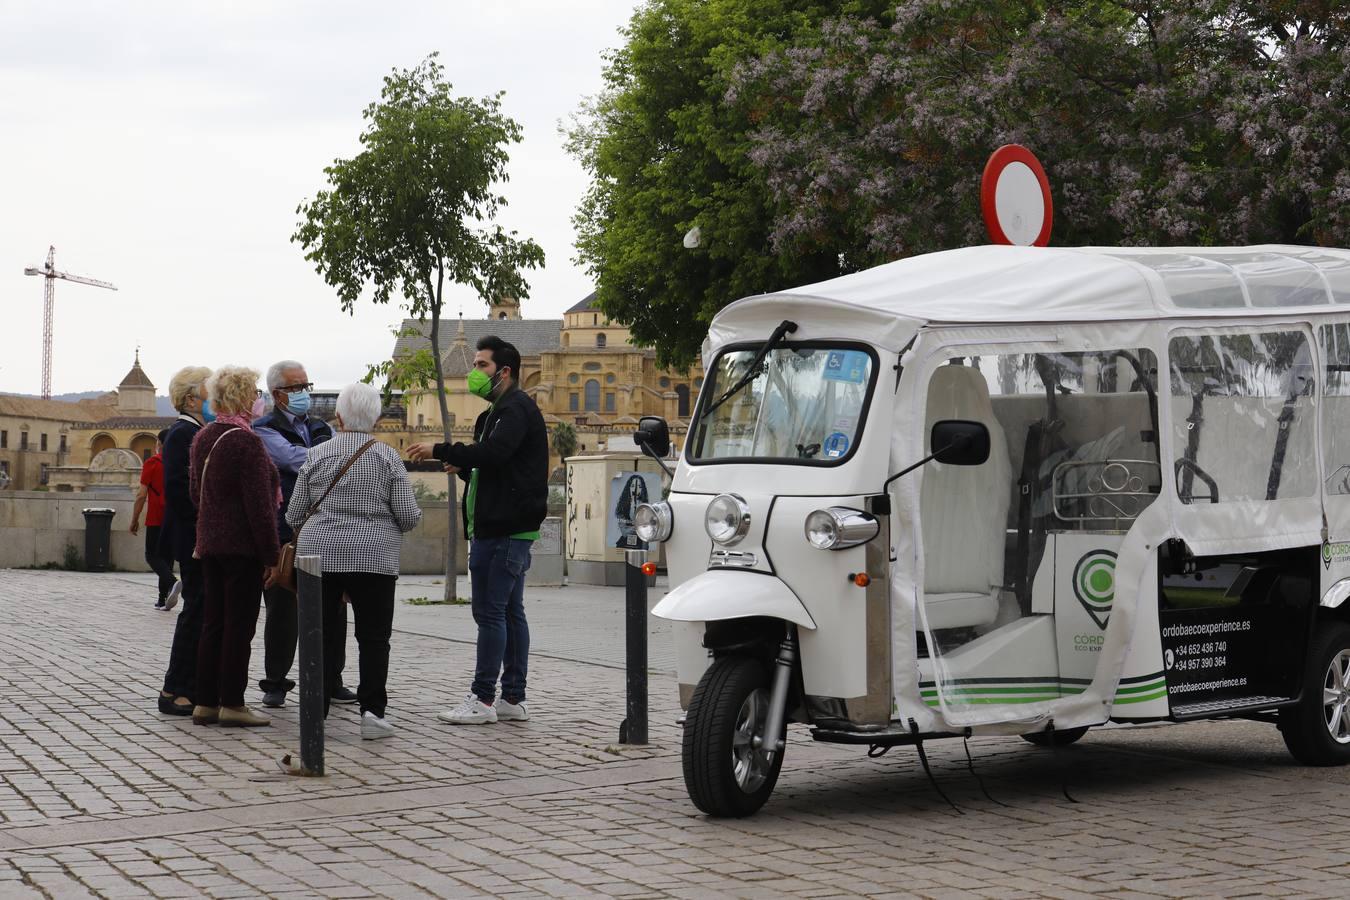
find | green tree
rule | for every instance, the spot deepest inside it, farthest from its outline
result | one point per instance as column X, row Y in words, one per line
column 564, row 440
column 412, row 211
column 666, row 154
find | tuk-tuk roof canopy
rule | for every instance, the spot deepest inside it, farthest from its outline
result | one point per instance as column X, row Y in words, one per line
column 1038, row 284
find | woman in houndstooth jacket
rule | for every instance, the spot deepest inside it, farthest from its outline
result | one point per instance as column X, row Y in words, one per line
column 357, row 530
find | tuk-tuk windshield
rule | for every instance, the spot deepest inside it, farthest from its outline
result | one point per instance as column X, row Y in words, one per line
column 804, row 404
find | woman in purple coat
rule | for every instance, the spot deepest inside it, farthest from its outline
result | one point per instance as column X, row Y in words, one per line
column 237, row 491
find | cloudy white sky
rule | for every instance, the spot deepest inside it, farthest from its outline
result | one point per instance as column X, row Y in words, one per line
column 164, row 146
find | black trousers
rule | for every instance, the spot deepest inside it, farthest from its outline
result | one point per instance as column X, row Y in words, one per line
column 160, row 565
column 229, row 619
column 180, row 679
column 372, row 600
column 280, row 634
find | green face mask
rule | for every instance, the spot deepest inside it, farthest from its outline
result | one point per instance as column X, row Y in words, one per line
column 480, row 385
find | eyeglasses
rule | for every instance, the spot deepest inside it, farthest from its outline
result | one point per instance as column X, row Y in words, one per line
column 306, row 386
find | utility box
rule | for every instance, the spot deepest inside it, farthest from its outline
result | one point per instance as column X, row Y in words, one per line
column 597, row 488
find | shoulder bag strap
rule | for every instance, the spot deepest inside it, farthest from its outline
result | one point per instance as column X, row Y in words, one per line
column 336, row 478
column 213, row 450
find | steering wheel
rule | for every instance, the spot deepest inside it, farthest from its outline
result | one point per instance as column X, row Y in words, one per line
column 1200, row 473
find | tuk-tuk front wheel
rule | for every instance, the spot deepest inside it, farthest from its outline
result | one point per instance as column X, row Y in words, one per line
column 1317, row 730
column 727, row 771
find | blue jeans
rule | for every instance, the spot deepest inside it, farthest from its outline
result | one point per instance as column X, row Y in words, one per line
column 497, row 568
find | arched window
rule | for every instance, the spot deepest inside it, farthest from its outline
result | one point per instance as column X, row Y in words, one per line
column 600, row 339
column 592, row 396
column 501, row 315
column 567, row 339
column 143, row 445
column 100, row 443
column 682, row 400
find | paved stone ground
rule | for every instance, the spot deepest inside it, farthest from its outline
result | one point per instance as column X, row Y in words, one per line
column 101, row 796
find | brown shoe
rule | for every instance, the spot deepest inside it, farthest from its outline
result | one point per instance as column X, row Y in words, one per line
column 205, row 715
column 242, row 717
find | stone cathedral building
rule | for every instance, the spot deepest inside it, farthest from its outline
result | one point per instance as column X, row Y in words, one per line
column 582, row 370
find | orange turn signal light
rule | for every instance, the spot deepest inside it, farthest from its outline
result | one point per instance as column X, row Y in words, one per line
column 862, row 579
column 649, row 569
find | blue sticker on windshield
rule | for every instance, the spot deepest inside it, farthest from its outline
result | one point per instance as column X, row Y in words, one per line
column 846, row 365
column 836, row 445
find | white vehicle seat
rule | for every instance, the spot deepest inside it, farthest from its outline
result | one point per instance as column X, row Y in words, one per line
column 964, row 510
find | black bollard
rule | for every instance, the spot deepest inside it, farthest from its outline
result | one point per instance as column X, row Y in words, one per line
column 309, row 597
column 634, row 728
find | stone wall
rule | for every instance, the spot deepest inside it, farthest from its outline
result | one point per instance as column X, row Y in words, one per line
column 36, row 526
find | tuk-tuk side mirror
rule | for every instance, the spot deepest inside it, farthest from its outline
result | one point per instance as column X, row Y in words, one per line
column 653, row 436
column 959, row 442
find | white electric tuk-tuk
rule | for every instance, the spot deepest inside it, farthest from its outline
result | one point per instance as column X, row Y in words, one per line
column 1014, row 490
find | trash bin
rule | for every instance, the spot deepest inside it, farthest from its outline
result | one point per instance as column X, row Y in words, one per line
column 97, row 538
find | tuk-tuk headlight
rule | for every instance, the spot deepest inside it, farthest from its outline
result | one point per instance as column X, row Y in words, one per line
column 839, row 527
column 727, row 519
column 653, row 521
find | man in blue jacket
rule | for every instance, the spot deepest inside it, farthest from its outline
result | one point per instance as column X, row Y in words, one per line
column 287, row 432
column 505, row 501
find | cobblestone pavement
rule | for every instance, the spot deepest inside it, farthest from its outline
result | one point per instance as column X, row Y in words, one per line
column 101, row 796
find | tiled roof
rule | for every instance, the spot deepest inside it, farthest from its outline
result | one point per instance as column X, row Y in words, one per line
column 529, row 336
column 585, row 304
column 55, row 410
column 137, row 378
column 149, row 423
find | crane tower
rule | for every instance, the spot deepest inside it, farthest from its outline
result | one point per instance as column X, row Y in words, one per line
column 49, row 274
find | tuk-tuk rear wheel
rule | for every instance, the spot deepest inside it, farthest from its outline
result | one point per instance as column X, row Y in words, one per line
column 1317, row 730
column 725, row 774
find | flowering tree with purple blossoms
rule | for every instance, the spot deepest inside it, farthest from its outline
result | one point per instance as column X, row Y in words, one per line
column 811, row 139
column 1158, row 123
column 667, row 154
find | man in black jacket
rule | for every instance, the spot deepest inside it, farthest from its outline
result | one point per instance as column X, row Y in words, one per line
column 178, row 537
column 288, row 432
column 506, row 473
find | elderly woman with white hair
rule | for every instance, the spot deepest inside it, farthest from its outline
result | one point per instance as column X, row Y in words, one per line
column 237, row 492
column 351, row 505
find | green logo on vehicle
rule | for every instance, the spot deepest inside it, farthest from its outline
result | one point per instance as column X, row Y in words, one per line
column 1094, row 584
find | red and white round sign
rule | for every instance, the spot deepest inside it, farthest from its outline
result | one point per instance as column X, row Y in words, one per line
column 1015, row 198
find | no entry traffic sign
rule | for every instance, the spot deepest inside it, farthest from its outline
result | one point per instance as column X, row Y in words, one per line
column 1015, row 198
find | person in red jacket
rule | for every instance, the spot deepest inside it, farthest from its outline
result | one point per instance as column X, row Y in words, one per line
column 237, row 491
column 151, row 499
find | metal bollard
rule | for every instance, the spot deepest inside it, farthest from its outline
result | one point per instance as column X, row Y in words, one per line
column 634, row 727
column 309, row 596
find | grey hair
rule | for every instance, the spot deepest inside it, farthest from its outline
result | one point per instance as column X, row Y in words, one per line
column 274, row 379
column 359, row 406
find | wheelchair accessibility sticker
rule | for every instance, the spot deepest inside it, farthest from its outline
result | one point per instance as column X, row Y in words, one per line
column 1094, row 584
column 846, row 365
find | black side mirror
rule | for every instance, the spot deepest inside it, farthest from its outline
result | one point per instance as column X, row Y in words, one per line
column 958, row 442
column 653, row 436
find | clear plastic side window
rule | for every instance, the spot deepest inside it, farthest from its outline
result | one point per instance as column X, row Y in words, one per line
column 1335, row 340
column 1019, row 552
column 1243, row 416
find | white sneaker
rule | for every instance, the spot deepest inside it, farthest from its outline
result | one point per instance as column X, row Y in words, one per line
column 511, row 712
column 373, row 727
column 172, row 600
column 471, row 712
